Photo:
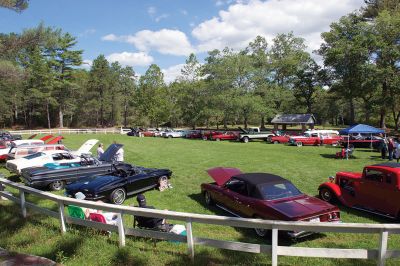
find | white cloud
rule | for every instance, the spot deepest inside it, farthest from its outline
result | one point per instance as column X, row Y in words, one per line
column 110, row 37
column 244, row 20
column 165, row 41
column 184, row 12
column 171, row 73
column 151, row 10
column 163, row 16
column 87, row 63
column 131, row 59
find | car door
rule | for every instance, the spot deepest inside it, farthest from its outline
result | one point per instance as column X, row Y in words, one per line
column 139, row 180
column 370, row 194
column 237, row 200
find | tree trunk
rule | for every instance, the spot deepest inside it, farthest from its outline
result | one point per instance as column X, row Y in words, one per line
column 48, row 114
column 225, row 123
column 61, row 117
column 382, row 121
column 245, row 122
column 262, row 126
column 396, row 118
column 125, row 113
column 352, row 113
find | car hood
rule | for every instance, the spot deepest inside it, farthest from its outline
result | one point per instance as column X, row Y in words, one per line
column 92, row 182
column 301, row 207
column 352, row 175
column 109, row 154
column 222, row 174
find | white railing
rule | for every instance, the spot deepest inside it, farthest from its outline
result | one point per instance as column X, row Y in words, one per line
column 380, row 254
column 61, row 131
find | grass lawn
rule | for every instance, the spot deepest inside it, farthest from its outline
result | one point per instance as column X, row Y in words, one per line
column 306, row 167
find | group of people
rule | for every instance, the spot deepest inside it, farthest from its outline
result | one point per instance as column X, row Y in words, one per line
column 119, row 156
column 390, row 147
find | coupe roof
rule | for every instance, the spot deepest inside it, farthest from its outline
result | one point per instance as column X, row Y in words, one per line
column 255, row 179
column 391, row 165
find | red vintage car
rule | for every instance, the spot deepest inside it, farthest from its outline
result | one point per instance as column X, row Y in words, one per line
column 228, row 135
column 376, row 189
column 316, row 137
column 148, row 133
column 194, row 134
column 208, row 134
column 279, row 139
column 265, row 196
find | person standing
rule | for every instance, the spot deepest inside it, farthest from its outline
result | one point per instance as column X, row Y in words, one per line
column 100, row 150
column 384, row 148
column 119, row 155
column 390, row 148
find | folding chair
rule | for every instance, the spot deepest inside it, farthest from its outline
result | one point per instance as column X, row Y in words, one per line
column 76, row 212
column 98, row 217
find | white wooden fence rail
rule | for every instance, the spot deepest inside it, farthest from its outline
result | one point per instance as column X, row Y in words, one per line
column 61, row 131
column 380, row 254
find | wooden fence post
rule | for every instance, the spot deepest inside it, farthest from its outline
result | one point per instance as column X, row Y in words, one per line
column 121, row 230
column 23, row 205
column 383, row 239
column 189, row 237
column 62, row 217
column 274, row 252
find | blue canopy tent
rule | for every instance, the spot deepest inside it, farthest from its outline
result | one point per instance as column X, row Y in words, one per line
column 360, row 129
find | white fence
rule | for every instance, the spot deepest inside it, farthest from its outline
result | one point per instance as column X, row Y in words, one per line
column 380, row 254
column 61, row 131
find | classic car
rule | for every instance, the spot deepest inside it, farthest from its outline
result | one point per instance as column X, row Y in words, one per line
column 125, row 180
column 22, row 151
column 208, row 134
column 48, row 156
column 194, row 134
column 55, row 175
column 5, row 135
column 227, row 135
column 374, row 142
column 316, row 137
column 279, row 139
column 134, row 132
column 160, row 132
column 17, row 143
column 175, row 134
column 265, row 196
column 375, row 190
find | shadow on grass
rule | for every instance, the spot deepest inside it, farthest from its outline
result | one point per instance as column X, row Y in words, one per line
column 123, row 257
column 14, row 178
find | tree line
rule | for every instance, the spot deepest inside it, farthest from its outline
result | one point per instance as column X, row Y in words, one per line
column 357, row 80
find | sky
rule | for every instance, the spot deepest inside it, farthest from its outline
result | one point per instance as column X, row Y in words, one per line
column 164, row 32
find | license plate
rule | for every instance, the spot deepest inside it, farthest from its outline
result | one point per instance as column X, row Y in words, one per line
column 315, row 220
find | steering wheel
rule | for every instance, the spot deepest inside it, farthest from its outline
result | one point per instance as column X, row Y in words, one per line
column 120, row 172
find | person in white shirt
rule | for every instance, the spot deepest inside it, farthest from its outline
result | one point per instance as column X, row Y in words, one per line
column 100, row 150
column 119, row 156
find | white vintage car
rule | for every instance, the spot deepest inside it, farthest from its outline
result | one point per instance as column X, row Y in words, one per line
column 49, row 156
column 19, row 143
column 175, row 134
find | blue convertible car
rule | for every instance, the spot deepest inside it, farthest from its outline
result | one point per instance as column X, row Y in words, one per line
column 125, row 180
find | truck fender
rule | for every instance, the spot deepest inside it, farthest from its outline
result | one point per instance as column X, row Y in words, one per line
column 334, row 188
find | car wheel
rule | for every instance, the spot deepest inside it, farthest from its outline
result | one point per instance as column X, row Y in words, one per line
column 170, row 137
column 276, row 142
column 260, row 232
column 204, row 138
column 326, row 194
column 118, row 196
column 57, row 185
column 207, row 197
column 299, row 144
column 217, row 139
column 334, row 144
column 245, row 139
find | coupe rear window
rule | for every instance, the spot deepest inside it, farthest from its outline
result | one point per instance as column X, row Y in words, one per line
column 277, row 191
column 35, row 155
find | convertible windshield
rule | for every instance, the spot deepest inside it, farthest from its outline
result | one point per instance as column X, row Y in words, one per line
column 35, row 155
column 278, row 191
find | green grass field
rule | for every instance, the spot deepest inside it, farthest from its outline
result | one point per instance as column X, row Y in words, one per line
column 306, row 167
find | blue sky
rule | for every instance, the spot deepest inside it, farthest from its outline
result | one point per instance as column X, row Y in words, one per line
column 165, row 32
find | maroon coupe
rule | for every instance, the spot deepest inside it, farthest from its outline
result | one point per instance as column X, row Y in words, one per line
column 265, row 196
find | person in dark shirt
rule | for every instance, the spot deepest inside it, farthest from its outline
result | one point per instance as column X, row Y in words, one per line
column 150, row 222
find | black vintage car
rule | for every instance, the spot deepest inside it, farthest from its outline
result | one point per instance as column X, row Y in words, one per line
column 125, row 180
column 55, row 176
